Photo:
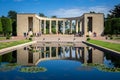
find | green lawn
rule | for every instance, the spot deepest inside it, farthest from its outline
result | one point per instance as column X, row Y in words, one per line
column 109, row 45
column 14, row 43
column 116, row 38
column 2, row 38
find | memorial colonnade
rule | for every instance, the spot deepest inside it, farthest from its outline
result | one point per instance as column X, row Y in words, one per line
column 87, row 24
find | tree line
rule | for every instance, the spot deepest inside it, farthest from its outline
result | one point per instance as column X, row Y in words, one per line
column 8, row 24
column 112, row 22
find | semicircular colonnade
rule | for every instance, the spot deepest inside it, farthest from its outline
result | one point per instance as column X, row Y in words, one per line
column 86, row 24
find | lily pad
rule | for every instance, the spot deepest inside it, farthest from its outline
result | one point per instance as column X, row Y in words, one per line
column 33, row 69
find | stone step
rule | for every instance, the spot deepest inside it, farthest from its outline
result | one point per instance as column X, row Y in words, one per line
column 59, row 39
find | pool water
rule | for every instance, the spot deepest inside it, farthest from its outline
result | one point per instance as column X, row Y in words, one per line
column 59, row 62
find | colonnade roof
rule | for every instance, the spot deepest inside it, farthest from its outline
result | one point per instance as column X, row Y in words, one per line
column 75, row 18
column 59, row 19
column 53, row 19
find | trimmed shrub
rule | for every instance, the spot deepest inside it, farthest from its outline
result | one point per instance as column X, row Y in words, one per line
column 8, row 36
column 88, row 39
column 31, row 35
column 111, row 37
column 30, row 38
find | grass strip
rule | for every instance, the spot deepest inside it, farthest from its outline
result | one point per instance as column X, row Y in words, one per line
column 10, row 44
column 2, row 38
column 113, row 46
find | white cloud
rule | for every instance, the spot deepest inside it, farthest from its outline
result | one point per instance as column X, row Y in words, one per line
column 74, row 12
column 100, row 9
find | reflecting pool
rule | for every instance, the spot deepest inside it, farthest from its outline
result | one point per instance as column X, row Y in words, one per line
column 59, row 61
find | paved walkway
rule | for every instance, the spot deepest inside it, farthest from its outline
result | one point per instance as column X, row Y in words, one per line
column 60, row 38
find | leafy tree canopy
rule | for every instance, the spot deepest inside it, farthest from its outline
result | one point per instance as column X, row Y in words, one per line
column 54, row 17
column 115, row 13
column 92, row 11
column 7, row 25
column 12, row 15
column 1, row 26
column 41, row 15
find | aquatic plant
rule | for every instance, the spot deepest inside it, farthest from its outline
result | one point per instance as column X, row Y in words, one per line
column 8, row 67
column 33, row 69
column 102, row 67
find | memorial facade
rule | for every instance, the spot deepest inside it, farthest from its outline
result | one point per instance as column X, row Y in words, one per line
column 87, row 24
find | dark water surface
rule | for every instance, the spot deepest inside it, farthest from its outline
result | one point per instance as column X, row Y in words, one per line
column 60, row 62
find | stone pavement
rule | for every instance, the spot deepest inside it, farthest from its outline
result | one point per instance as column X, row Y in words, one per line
column 61, row 38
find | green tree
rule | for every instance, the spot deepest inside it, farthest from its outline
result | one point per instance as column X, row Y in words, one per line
column 108, row 29
column 92, row 11
column 1, row 30
column 7, row 25
column 14, row 28
column 3, row 16
column 13, row 16
column 54, row 17
column 7, row 57
column 112, row 26
column 115, row 25
column 116, row 11
column 41, row 15
column 112, row 22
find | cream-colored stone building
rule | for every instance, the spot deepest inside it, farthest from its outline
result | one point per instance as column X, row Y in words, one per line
column 87, row 24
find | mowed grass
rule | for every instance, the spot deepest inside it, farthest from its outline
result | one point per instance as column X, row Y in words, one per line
column 2, row 38
column 10, row 44
column 109, row 45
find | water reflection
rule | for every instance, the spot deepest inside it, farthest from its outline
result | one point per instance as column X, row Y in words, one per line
column 59, row 62
column 34, row 54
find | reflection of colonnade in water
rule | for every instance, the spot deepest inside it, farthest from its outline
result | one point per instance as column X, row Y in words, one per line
column 33, row 55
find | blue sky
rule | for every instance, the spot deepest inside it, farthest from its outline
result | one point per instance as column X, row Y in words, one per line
column 60, row 8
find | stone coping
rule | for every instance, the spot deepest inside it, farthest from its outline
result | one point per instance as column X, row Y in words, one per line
column 6, row 50
column 101, row 48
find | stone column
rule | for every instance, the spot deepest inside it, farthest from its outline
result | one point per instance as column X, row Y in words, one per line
column 40, row 28
column 85, row 26
column 76, row 26
column 80, row 26
column 50, row 52
column 44, row 26
column 56, row 26
column 76, row 53
column 44, row 52
column 57, row 52
column 50, row 26
column 40, row 56
column 63, row 52
column 85, row 55
column 70, row 52
column 80, row 53
column 70, row 26
column 63, row 27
